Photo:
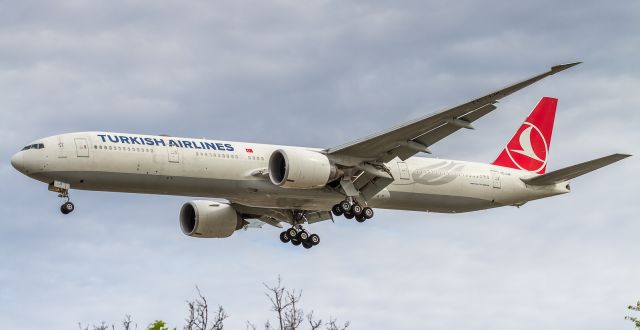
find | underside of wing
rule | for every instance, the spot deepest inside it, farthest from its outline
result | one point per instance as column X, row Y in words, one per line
column 276, row 216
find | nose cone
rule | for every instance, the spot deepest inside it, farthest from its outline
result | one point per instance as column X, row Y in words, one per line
column 17, row 162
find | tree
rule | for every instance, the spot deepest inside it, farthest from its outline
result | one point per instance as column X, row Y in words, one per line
column 634, row 319
column 284, row 303
column 198, row 315
column 158, row 325
column 289, row 315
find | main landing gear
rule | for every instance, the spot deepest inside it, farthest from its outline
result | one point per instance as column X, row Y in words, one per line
column 298, row 235
column 352, row 209
column 63, row 192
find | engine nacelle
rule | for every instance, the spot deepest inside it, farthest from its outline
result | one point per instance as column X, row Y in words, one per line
column 209, row 219
column 300, row 168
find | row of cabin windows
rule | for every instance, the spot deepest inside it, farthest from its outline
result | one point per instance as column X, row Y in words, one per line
column 474, row 176
column 255, row 158
column 101, row 147
column 211, row 154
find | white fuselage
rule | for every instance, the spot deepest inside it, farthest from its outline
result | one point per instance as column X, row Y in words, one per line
column 134, row 163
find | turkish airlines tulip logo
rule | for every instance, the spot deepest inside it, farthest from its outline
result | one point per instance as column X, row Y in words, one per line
column 529, row 151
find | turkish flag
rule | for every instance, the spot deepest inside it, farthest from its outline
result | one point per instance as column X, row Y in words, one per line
column 249, row 150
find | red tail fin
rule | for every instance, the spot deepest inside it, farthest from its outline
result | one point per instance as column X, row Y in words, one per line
column 529, row 147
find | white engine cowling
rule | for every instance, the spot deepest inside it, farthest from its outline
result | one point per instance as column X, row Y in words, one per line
column 209, row 219
column 300, row 168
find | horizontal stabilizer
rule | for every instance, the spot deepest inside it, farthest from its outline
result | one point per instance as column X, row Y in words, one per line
column 574, row 171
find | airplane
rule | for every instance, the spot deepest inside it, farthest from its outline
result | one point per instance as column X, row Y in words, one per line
column 271, row 184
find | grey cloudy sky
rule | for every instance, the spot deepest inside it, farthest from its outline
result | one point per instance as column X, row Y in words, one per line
column 321, row 73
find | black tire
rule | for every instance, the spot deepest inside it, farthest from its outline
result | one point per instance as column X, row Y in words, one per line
column 356, row 209
column 295, row 242
column 292, row 232
column 303, row 235
column 68, row 207
column 349, row 215
column 284, row 237
column 337, row 210
column 345, row 206
column 314, row 239
column 307, row 245
column 368, row 212
column 360, row 218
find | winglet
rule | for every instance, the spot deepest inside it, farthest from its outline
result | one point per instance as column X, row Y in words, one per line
column 562, row 67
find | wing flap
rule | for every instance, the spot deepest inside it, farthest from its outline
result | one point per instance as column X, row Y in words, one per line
column 574, row 171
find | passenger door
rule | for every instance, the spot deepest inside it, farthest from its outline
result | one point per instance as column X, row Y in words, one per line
column 495, row 178
column 82, row 147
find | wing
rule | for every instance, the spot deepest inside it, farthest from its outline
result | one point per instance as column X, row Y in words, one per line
column 406, row 140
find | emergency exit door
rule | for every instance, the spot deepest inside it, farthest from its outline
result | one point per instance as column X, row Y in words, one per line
column 174, row 154
column 404, row 170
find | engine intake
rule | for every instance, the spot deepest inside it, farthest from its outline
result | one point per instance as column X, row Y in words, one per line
column 209, row 219
column 302, row 169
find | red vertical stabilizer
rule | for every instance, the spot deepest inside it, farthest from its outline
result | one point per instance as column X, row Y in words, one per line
column 529, row 147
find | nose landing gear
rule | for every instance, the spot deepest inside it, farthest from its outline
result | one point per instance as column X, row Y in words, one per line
column 63, row 192
column 67, row 207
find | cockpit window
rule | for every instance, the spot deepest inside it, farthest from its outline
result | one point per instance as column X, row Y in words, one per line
column 34, row 146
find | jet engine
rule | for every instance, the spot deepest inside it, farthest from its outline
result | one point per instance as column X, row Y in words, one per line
column 302, row 169
column 209, row 219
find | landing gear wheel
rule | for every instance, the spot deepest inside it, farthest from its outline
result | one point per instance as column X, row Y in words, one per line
column 356, row 209
column 303, row 235
column 349, row 215
column 307, row 245
column 292, row 232
column 360, row 218
column 337, row 210
column 314, row 239
column 284, row 237
column 295, row 242
column 367, row 212
column 67, row 208
column 345, row 206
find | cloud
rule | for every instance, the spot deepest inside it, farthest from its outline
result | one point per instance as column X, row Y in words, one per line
column 321, row 73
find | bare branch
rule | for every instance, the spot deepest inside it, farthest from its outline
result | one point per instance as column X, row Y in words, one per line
column 333, row 325
column 218, row 320
column 128, row 322
column 294, row 315
column 276, row 295
column 313, row 324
